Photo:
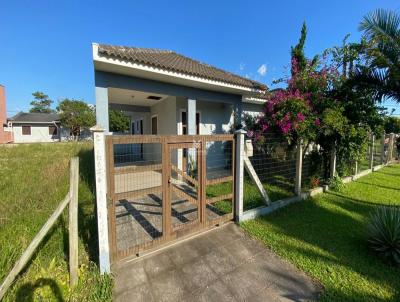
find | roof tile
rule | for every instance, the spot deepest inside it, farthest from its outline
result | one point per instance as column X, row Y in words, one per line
column 172, row 61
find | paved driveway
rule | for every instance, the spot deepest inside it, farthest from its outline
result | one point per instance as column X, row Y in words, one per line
column 224, row 264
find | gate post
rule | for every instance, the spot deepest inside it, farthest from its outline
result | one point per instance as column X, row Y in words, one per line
column 383, row 148
column 371, row 154
column 333, row 163
column 101, row 197
column 299, row 167
column 239, row 174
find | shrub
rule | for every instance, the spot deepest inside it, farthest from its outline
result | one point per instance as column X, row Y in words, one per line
column 384, row 233
column 336, row 183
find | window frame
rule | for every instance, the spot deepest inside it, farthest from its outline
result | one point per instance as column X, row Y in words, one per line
column 151, row 124
column 29, row 127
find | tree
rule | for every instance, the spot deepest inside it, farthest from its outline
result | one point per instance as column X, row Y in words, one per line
column 392, row 124
column 318, row 106
column 118, row 121
column 75, row 115
column 41, row 103
column 382, row 69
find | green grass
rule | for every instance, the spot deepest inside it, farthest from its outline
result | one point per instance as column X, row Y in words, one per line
column 325, row 237
column 33, row 180
column 252, row 197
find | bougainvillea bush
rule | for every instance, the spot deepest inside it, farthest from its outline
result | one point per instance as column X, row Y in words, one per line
column 317, row 107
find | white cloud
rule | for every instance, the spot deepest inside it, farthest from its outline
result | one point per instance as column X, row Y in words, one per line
column 262, row 70
column 242, row 66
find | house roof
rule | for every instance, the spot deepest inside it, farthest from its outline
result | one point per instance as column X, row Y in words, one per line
column 23, row 117
column 172, row 61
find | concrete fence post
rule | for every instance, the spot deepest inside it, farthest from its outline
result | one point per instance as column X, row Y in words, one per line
column 239, row 174
column 101, row 197
column 390, row 148
column 333, row 163
column 383, row 148
column 299, row 167
column 371, row 153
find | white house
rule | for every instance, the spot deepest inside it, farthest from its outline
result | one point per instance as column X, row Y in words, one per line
column 163, row 92
column 36, row 127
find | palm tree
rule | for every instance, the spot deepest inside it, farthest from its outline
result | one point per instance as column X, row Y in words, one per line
column 381, row 72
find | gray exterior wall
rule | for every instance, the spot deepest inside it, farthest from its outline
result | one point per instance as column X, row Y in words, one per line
column 104, row 80
column 215, row 118
column 253, row 109
column 165, row 110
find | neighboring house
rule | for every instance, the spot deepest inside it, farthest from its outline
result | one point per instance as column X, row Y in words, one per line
column 5, row 132
column 36, row 127
column 163, row 92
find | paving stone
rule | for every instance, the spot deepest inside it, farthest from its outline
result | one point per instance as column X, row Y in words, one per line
column 221, row 265
column 129, row 277
column 197, row 275
column 168, row 287
column 183, row 253
column 141, row 293
column 157, row 264
column 217, row 292
column 221, row 261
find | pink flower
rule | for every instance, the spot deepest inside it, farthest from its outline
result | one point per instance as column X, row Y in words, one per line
column 317, row 122
column 264, row 127
column 300, row 117
column 250, row 133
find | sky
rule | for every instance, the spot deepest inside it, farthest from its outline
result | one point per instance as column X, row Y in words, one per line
column 46, row 45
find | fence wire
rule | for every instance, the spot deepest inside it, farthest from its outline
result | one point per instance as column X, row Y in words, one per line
column 274, row 161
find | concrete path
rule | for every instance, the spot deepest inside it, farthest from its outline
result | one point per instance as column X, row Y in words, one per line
column 221, row 265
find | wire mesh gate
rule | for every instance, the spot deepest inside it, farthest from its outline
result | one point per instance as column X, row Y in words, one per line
column 161, row 188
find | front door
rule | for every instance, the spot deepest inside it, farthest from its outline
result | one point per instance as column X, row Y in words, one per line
column 186, row 202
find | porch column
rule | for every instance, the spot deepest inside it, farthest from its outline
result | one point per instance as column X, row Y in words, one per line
column 191, row 117
column 102, row 108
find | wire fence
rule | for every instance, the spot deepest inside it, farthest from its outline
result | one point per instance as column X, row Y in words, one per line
column 274, row 161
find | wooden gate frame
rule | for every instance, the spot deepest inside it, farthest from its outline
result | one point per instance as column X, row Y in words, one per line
column 167, row 142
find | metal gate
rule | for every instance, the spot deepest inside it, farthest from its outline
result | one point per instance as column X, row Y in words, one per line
column 156, row 196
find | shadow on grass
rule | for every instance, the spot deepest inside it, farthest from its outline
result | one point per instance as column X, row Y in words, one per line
column 380, row 186
column 355, row 200
column 26, row 292
column 87, row 204
column 337, row 231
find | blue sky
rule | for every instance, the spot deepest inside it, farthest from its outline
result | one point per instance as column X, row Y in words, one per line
column 46, row 45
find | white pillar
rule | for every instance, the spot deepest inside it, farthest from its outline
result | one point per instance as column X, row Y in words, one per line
column 101, row 197
column 371, row 154
column 390, row 148
column 333, row 163
column 191, row 117
column 299, row 167
column 383, row 148
column 102, row 108
column 239, row 174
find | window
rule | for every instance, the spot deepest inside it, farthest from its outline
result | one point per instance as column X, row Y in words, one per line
column 154, row 125
column 26, row 130
column 52, row 130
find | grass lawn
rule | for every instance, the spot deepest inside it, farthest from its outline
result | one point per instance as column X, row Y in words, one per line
column 325, row 237
column 252, row 197
column 34, row 179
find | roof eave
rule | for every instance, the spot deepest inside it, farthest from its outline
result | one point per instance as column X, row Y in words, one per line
column 108, row 64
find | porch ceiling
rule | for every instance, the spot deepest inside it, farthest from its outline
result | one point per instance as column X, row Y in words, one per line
column 133, row 97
